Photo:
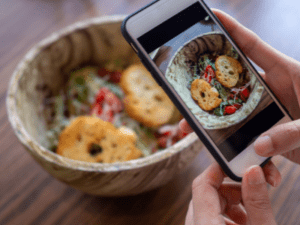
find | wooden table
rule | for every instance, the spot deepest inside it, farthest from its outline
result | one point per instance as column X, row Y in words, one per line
column 29, row 195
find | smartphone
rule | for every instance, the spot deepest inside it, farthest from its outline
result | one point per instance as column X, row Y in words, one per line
column 213, row 84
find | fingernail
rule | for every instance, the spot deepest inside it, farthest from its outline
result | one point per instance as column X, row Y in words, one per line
column 275, row 181
column 263, row 145
column 272, row 181
column 255, row 175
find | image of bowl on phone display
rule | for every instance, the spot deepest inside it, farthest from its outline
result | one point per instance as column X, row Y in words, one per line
column 213, row 81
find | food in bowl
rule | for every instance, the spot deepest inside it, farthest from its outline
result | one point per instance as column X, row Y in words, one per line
column 97, row 118
column 44, row 73
column 213, row 81
column 220, row 84
column 91, row 139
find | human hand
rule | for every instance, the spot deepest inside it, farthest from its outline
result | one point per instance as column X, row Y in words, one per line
column 282, row 74
column 212, row 199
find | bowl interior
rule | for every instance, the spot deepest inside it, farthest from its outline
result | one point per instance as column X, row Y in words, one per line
column 47, row 72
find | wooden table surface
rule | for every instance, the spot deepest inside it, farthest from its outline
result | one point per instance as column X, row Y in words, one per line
column 29, row 195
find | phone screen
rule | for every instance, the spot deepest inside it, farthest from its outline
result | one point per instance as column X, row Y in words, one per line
column 212, row 79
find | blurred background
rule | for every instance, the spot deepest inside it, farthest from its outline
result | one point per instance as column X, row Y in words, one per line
column 29, row 195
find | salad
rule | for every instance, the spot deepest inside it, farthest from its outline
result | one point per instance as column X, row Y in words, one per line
column 95, row 91
column 232, row 98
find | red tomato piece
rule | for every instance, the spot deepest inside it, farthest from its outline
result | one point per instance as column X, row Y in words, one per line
column 243, row 98
column 106, row 105
column 230, row 109
column 162, row 142
column 209, row 79
column 97, row 109
column 210, row 71
column 115, row 77
column 103, row 72
column 168, row 133
column 237, row 106
column 114, row 102
column 100, row 96
column 245, row 93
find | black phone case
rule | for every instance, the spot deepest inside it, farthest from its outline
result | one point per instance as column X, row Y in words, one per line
column 156, row 76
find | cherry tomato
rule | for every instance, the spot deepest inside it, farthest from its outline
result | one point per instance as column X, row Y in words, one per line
column 97, row 109
column 207, row 77
column 103, row 72
column 210, row 71
column 237, row 106
column 162, row 142
column 100, row 97
column 230, row 109
column 168, row 133
column 106, row 105
column 245, row 93
column 115, row 77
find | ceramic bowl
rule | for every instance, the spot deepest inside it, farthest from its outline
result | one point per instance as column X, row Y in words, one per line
column 179, row 74
column 95, row 41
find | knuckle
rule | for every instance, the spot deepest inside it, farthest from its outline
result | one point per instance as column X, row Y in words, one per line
column 196, row 183
column 259, row 202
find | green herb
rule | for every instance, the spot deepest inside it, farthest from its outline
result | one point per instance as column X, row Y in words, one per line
column 205, row 61
column 218, row 111
column 195, row 72
column 234, row 54
column 82, row 94
column 223, row 93
column 80, row 80
column 114, row 88
column 234, row 101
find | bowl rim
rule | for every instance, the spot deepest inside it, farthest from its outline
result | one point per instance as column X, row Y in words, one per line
column 38, row 150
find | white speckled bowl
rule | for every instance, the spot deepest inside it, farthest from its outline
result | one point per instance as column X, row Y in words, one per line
column 94, row 41
column 179, row 71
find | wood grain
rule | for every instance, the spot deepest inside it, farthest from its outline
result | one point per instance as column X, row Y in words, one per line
column 29, row 195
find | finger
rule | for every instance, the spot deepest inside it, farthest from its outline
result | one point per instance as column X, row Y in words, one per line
column 231, row 192
column 236, row 214
column 278, row 140
column 272, row 174
column 229, row 222
column 189, row 219
column 185, row 127
column 255, row 197
column 230, row 199
column 262, row 74
column 206, row 202
column 250, row 43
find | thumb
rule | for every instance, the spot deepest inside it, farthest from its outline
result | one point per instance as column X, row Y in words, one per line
column 279, row 139
column 255, row 197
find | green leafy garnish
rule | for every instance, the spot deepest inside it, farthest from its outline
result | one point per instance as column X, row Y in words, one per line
column 223, row 93
column 80, row 80
column 234, row 54
column 219, row 111
column 205, row 61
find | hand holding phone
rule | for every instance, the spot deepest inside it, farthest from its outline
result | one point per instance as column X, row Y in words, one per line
column 208, row 78
column 225, row 199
